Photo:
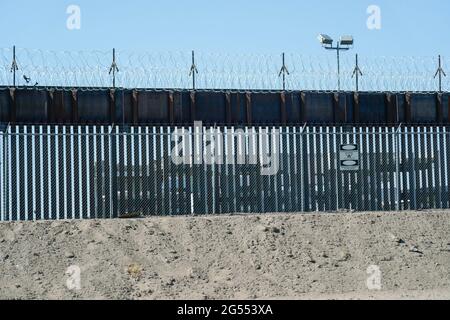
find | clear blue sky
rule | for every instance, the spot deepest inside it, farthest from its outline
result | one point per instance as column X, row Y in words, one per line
column 414, row 27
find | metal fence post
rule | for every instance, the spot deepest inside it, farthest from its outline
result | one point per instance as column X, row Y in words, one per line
column 14, row 66
column 302, row 169
column 193, row 71
column 440, row 72
column 397, row 167
column 283, row 72
column 6, row 185
column 357, row 73
column 2, row 182
column 114, row 68
column 113, row 173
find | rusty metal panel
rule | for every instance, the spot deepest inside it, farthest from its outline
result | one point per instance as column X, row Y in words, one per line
column 423, row 108
column 93, row 106
column 171, row 109
column 103, row 106
column 182, row 107
column 153, row 107
column 400, row 100
column 123, row 107
column 5, row 106
column 391, row 109
column 446, row 108
column 266, row 108
column 318, row 107
column 61, row 111
column 248, row 107
column 356, row 114
column 372, row 108
column 238, row 108
column 293, row 108
column 228, row 108
column 31, row 106
column 339, row 108
column 349, row 107
column 211, row 107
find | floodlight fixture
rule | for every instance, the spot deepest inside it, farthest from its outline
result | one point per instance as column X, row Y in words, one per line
column 344, row 44
column 325, row 39
column 346, row 41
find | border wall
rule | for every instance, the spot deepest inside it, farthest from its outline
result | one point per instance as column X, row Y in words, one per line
column 126, row 107
column 84, row 172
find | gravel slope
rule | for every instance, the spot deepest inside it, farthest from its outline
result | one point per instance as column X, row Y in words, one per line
column 274, row 256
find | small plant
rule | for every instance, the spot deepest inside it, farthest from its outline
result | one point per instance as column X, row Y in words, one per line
column 135, row 271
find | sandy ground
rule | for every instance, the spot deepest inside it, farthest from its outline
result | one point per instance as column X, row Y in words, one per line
column 274, row 256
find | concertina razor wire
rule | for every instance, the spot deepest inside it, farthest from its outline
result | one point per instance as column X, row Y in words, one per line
column 219, row 71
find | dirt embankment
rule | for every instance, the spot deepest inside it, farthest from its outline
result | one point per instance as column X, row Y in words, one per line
column 273, row 256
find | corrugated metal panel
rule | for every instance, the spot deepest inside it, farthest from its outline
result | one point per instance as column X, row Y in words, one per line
column 400, row 100
column 31, row 106
column 423, row 108
column 349, row 107
column 372, row 108
column 153, row 107
column 123, row 107
column 94, row 106
column 318, row 107
column 293, row 108
column 5, row 107
column 266, row 108
column 61, row 109
column 238, row 108
column 446, row 108
column 183, row 108
column 210, row 107
column 133, row 107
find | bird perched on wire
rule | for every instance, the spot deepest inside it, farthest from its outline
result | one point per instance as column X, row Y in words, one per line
column 27, row 79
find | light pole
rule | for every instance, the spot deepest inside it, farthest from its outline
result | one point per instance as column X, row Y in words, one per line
column 344, row 44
